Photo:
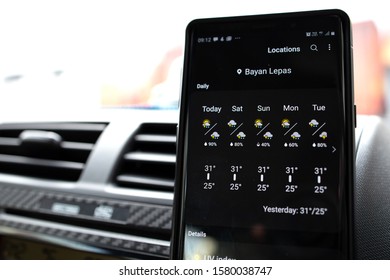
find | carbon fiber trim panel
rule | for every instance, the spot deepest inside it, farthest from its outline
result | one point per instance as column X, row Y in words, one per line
column 133, row 247
column 138, row 215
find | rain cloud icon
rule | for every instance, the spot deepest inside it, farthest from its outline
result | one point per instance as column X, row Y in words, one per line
column 324, row 135
column 232, row 123
column 313, row 123
column 258, row 123
column 285, row 123
column 206, row 123
column 241, row 135
column 295, row 136
column 268, row 135
column 215, row 135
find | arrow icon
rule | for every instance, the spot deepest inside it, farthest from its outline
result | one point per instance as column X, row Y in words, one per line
column 333, row 149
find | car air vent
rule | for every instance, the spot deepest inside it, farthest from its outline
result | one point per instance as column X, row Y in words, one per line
column 56, row 151
column 149, row 159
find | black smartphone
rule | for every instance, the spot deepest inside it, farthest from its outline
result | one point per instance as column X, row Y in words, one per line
column 265, row 158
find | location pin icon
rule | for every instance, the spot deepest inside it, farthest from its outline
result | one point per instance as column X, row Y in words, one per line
column 239, row 71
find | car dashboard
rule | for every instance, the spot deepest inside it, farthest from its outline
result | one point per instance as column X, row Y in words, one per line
column 104, row 189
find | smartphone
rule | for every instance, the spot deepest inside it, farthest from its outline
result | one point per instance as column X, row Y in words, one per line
column 265, row 158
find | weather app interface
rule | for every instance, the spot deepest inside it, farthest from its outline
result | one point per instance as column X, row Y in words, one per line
column 265, row 131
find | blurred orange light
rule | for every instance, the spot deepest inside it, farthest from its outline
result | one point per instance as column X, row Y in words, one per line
column 368, row 69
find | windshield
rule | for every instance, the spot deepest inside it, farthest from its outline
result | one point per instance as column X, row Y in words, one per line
column 61, row 57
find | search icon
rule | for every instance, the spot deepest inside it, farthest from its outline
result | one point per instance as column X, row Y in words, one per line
column 313, row 47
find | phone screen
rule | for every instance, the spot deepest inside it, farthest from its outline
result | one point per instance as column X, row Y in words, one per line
column 265, row 158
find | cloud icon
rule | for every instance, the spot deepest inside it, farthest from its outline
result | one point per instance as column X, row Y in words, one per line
column 232, row 123
column 313, row 123
column 268, row 135
column 241, row 135
column 295, row 135
column 324, row 135
column 215, row 135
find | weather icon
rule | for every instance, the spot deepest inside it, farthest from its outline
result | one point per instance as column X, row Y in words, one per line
column 215, row 135
column 295, row 136
column 241, row 135
column 258, row 123
column 232, row 123
column 286, row 123
column 313, row 123
column 324, row 135
column 206, row 123
column 268, row 135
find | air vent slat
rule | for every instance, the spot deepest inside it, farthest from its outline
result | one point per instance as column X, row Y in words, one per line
column 40, row 162
column 77, row 146
column 29, row 149
column 155, row 138
column 131, row 179
column 5, row 141
column 97, row 127
column 149, row 159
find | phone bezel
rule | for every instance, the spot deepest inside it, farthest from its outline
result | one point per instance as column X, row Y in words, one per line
column 177, row 238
